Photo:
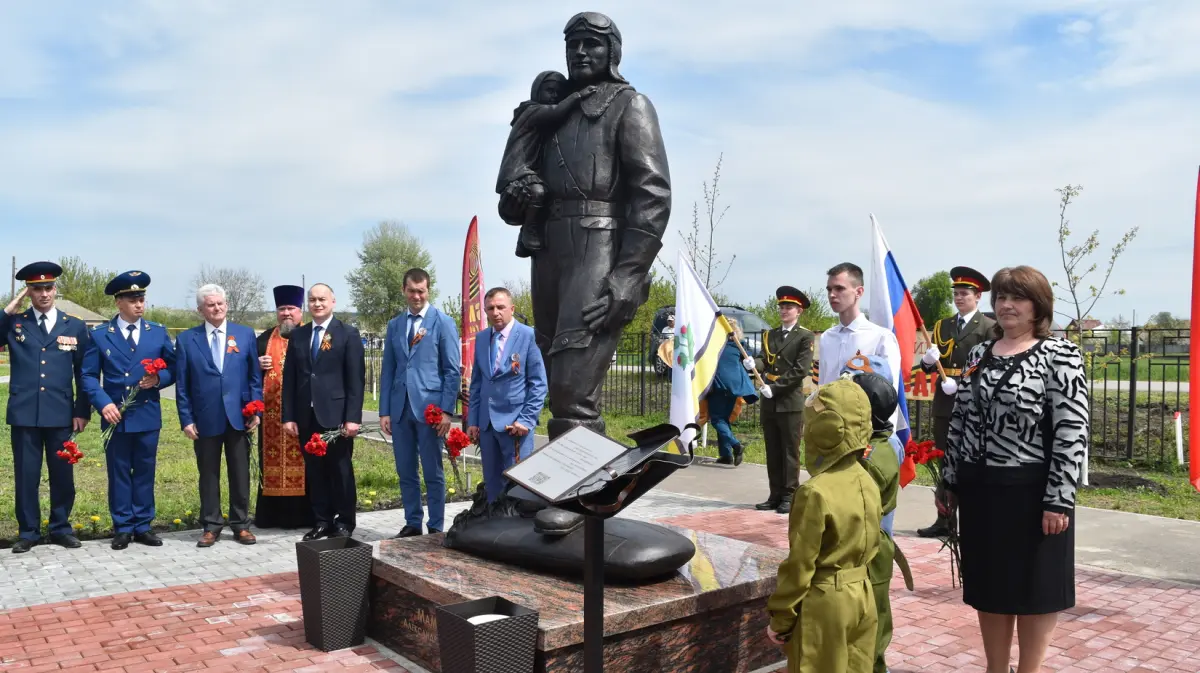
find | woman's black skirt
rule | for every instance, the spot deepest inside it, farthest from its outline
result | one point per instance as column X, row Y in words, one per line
column 1009, row 566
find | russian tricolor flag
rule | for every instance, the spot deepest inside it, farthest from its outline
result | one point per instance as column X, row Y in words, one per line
column 892, row 306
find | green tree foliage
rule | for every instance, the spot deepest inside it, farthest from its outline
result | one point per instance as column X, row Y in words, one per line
column 934, row 297
column 377, row 285
column 84, row 285
column 662, row 293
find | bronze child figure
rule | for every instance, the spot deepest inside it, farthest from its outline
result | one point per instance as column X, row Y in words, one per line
column 532, row 120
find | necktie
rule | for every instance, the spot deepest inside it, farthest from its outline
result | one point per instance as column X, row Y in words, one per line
column 497, row 350
column 316, row 342
column 42, row 324
column 412, row 325
column 216, row 350
column 129, row 337
column 961, row 323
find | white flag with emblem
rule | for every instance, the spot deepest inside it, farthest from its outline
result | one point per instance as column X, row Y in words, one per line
column 700, row 334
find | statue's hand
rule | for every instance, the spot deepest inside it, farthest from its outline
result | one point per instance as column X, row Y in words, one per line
column 587, row 91
column 513, row 202
column 616, row 305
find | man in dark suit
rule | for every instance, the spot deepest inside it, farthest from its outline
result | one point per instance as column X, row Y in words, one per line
column 786, row 364
column 216, row 377
column 953, row 339
column 46, row 355
column 508, row 390
column 323, row 380
column 115, row 353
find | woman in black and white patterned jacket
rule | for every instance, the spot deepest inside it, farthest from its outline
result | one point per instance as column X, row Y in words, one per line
column 1018, row 437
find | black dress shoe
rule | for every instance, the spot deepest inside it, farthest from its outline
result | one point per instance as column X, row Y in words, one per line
column 122, row 540
column 738, row 450
column 768, row 505
column 22, row 545
column 784, row 507
column 432, row 531
column 408, row 531
column 339, row 531
column 316, row 533
column 66, row 540
column 148, row 538
column 725, row 460
column 938, row 529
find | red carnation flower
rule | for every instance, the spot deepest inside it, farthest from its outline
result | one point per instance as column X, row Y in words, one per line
column 433, row 415
column 456, row 441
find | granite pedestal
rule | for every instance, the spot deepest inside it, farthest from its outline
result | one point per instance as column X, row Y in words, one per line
column 709, row 617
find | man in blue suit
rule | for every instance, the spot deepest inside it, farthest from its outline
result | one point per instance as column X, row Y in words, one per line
column 508, row 390
column 46, row 353
column 217, row 375
column 116, row 351
column 422, row 365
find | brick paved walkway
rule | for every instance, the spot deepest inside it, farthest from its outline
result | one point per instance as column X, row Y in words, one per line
column 1119, row 623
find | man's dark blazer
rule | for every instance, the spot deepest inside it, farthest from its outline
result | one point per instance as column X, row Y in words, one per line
column 333, row 385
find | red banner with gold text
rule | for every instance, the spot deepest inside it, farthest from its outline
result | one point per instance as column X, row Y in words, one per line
column 473, row 320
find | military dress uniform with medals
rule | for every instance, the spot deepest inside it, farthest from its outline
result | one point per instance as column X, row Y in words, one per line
column 45, row 396
column 786, row 364
column 954, row 337
column 112, row 369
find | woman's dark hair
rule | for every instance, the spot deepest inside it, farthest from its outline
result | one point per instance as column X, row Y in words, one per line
column 1025, row 282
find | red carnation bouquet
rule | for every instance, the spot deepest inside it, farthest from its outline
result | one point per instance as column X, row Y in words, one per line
column 318, row 443
column 70, row 451
column 152, row 368
column 456, row 440
column 927, row 455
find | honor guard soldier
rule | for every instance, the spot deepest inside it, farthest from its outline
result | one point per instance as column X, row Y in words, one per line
column 786, row 363
column 46, row 402
column 117, row 350
column 953, row 339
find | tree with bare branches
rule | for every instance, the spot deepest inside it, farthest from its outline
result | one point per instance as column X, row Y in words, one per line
column 698, row 243
column 244, row 290
column 1081, row 295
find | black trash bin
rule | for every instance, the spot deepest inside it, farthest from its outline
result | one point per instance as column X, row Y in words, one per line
column 505, row 645
column 335, row 576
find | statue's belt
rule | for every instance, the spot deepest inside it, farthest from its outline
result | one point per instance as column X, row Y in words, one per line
column 585, row 208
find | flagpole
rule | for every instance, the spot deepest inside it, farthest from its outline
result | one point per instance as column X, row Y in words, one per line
column 726, row 325
column 1194, row 353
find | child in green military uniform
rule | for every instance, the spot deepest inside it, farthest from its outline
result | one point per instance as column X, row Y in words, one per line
column 823, row 608
column 882, row 462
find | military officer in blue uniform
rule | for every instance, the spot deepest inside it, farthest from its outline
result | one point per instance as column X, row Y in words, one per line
column 117, row 349
column 46, row 402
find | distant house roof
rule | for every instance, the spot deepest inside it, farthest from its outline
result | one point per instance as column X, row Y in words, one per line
column 71, row 308
column 1088, row 324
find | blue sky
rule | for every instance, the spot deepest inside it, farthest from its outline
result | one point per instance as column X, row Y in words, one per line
column 164, row 136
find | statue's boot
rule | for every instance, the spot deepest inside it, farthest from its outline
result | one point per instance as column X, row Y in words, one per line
column 552, row 521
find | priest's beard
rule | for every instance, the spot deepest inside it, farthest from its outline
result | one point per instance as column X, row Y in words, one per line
column 285, row 328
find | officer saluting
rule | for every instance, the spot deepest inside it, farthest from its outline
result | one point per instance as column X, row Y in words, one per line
column 116, row 351
column 953, row 339
column 46, row 347
column 786, row 364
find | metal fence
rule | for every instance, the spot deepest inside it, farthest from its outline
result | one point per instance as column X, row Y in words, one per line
column 1137, row 428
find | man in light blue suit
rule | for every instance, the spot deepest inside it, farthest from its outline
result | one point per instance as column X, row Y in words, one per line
column 217, row 375
column 422, row 365
column 508, row 390
column 115, row 354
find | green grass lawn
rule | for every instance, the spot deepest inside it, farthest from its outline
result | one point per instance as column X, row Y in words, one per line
column 3, row 370
column 177, row 480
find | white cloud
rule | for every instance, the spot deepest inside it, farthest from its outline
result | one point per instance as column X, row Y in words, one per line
column 196, row 129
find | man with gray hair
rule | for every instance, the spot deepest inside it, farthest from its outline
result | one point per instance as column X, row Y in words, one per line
column 217, row 376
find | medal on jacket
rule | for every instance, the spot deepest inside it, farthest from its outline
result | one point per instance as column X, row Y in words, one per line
column 20, row 336
column 516, row 363
column 231, row 346
column 417, row 337
column 326, row 342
